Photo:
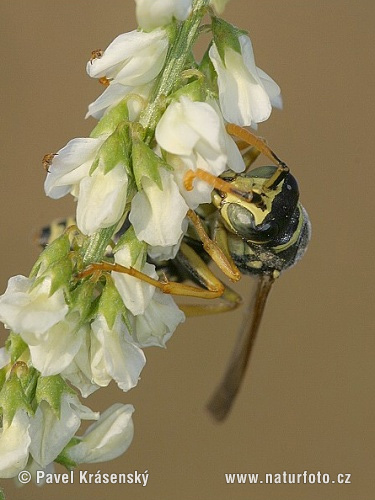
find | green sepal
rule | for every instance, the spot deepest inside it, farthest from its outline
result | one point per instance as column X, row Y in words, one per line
column 63, row 457
column 61, row 274
column 146, row 164
column 207, row 68
column 55, row 251
column 115, row 150
column 16, row 346
column 194, row 90
column 3, row 376
column 137, row 248
column 12, row 398
column 226, row 36
column 111, row 303
column 51, row 389
column 82, row 301
column 111, row 119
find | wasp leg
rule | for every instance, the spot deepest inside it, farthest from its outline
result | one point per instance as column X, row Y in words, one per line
column 220, row 256
column 215, row 290
column 257, row 142
column 216, row 182
column 198, row 271
column 249, row 157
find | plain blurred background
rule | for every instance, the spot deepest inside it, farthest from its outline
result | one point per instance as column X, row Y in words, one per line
column 308, row 399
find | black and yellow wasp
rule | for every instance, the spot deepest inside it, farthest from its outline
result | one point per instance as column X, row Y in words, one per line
column 254, row 225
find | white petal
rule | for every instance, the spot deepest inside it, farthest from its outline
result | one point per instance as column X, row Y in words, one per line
column 57, row 350
column 14, row 445
column 169, row 252
column 136, row 294
column 131, row 48
column 51, row 434
column 186, row 126
column 145, row 66
column 33, row 311
column 107, row 438
column 159, row 321
column 111, row 96
column 70, row 165
column 102, row 199
column 157, row 214
column 153, row 13
column 114, row 355
column 272, row 89
column 243, row 99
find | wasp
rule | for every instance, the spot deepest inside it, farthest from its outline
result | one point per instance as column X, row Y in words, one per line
column 255, row 225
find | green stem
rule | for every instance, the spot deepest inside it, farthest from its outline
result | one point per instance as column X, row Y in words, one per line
column 97, row 244
column 174, row 65
column 166, row 82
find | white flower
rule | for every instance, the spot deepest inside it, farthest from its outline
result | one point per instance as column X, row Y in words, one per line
column 31, row 311
column 246, row 93
column 70, row 165
column 107, row 438
column 101, row 199
column 78, row 372
column 14, row 445
column 133, row 58
column 114, row 93
column 154, row 315
column 153, row 13
column 135, row 293
column 160, row 253
column 157, row 214
column 51, row 434
column 219, row 5
column 55, row 350
column 157, row 324
column 194, row 133
column 114, row 355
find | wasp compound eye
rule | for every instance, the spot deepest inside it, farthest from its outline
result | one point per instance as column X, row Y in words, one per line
column 243, row 222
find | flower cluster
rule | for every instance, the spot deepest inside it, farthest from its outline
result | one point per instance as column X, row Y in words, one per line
column 161, row 115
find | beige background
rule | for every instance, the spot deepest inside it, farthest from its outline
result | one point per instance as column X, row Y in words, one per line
column 308, row 399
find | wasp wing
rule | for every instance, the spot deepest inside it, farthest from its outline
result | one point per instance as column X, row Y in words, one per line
column 224, row 396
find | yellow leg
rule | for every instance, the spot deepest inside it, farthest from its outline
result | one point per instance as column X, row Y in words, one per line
column 257, row 142
column 221, row 259
column 198, row 270
column 216, row 182
column 216, row 289
column 229, row 301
